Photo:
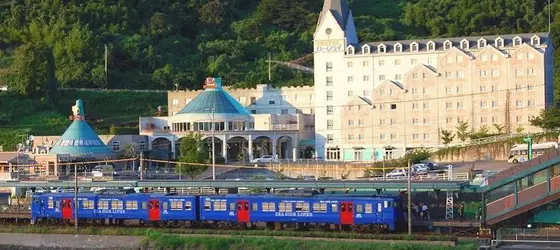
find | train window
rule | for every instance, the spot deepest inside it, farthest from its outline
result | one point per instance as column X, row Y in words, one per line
column 343, row 208
column 116, row 205
column 219, row 206
column 334, row 208
column 57, row 204
column 286, row 207
column 255, row 206
column 385, row 204
column 131, row 205
column 144, row 205
column 102, row 204
column 232, row 206
column 188, row 205
column 268, row 207
column 302, row 207
column 50, row 204
column 176, row 205
column 87, row 204
column 369, row 208
column 157, row 205
column 396, row 204
column 319, row 207
column 379, row 208
column 206, row 205
column 359, row 208
column 165, row 206
column 350, row 206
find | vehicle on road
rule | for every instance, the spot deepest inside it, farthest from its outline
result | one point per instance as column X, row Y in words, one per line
column 519, row 153
column 103, row 170
column 396, row 173
column 265, row 159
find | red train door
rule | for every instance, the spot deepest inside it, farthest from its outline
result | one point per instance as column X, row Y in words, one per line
column 66, row 207
column 243, row 211
column 346, row 213
column 153, row 210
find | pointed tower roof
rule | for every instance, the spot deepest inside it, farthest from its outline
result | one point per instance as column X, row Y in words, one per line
column 339, row 9
column 214, row 97
column 80, row 140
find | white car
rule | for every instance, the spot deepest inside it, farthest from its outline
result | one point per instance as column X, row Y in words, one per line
column 265, row 159
column 399, row 172
column 421, row 168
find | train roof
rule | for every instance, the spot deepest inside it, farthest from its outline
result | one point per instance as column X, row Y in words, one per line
column 302, row 197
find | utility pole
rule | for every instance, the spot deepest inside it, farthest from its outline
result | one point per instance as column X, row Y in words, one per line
column 141, row 165
column 106, row 66
column 409, row 193
column 384, row 177
column 76, row 196
column 270, row 68
column 213, row 147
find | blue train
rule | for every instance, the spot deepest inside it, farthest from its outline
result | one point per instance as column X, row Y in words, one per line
column 313, row 210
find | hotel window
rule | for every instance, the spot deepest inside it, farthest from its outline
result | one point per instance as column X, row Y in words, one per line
column 494, row 57
column 494, row 120
column 393, row 136
column 483, row 119
column 330, row 138
column 350, row 93
column 329, row 66
column 519, row 103
column 448, row 105
column 481, row 43
column 495, row 72
column 397, row 62
column 520, row 56
column 459, row 59
column 381, row 62
column 518, row 72
column 426, row 136
column 460, row 74
column 413, row 61
column 530, row 103
column 330, row 124
column 360, row 137
column 518, row 87
column 431, row 46
column 284, row 111
column 449, row 59
column 494, row 88
column 414, row 47
column 426, row 105
column 530, row 87
column 531, row 56
column 449, row 120
column 425, row 121
column 382, row 136
column 175, row 102
column 482, row 88
column 366, row 78
column 350, row 64
column 483, row 104
column 381, row 48
column 415, row 106
column 415, row 136
column 494, row 104
column 329, row 109
column 447, row 45
column 448, row 74
column 382, row 121
column 391, row 122
column 414, row 75
column 398, row 48
column 516, row 41
column 531, row 72
column 535, row 40
column 366, row 92
column 350, row 79
column 518, row 119
column 391, row 92
column 465, row 45
column 484, row 58
column 329, row 95
column 459, row 105
column 499, row 42
column 393, row 106
column 350, row 137
column 424, row 75
column 448, row 90
column 414, row 121
column 483, row 73
column 414, row 91
column 116, row 145
column 459, row 89
column 381, row 77
column 398, row 77
column 365, row 63
column 382, row 92
column 329, row 81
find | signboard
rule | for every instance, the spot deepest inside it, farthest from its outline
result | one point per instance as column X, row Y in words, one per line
column 328, row 46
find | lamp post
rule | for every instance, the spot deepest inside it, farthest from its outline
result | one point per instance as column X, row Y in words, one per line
column 529, row 141
column 213, row 129
column 409, row 193
column 76, row 196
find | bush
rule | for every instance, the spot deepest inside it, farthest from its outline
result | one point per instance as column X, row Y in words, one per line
column 115, row 130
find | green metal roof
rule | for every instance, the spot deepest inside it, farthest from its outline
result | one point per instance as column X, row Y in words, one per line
column 79, row 139
column 216, row 98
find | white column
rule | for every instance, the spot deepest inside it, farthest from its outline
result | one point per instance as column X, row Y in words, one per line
column 224, row 147
column 250, row 149
column 172, row 148
column 274, row 144
column 10, row 171
column 294, row 153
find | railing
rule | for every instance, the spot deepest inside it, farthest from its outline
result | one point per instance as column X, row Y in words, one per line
column 430, row 177
column 496, row 138
column 526, row 235
column 509, row 173
column 118, row 90
column 284, row 127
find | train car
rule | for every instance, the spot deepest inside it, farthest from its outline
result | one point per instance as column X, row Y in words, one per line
column 384, row 212
column 60, row 206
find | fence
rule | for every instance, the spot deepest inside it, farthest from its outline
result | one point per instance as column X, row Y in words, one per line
column 527, row 235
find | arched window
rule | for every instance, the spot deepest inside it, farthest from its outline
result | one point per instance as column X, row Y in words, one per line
column 517, row 41
column 481, row 43
column 382, row 48
column 366, row 49
column 414, row 47
column 431, row 46
column 447, row 44
column 499, row 43
column 398, row 47
column 535, row 40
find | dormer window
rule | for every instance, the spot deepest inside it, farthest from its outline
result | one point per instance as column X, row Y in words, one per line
column 535, row 40
column 350, row 50
column 481, row 43
column 431, row 46
column 464, row 44
column 447, row 44
column 382, row 48
column 414, row 47
column 499, row 42
column 365, row 49
column 398, row 48
column 517, row 41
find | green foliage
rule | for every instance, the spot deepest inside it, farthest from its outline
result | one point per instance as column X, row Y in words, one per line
column 447, row 136
column 519, row 129
column 482, row 132
column 462, row 131
column 548, row 119
column 416, row 156
column 115, row 130
column 192, row 151
column 499, row 128
column 32, row 73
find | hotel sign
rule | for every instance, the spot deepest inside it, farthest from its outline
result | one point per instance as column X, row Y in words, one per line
column 327, row 46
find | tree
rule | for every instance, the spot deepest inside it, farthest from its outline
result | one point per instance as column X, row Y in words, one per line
column 482, row 132
column 192, row 151
column 32, row 73
column 447, row 136
column 519, row 129
column 548, row 119
column 417, row 156
column 499, row 128
column 462, row 132
column 129, row 151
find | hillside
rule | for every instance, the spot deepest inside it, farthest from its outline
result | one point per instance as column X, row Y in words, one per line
column 171, row 44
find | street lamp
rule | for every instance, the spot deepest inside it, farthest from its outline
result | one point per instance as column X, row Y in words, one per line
column 529, row 142
column 213, row 109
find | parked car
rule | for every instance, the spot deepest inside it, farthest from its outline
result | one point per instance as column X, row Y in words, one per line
column 399, row 172
column 103, row 170
column 420, row 168
column 265, row 159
